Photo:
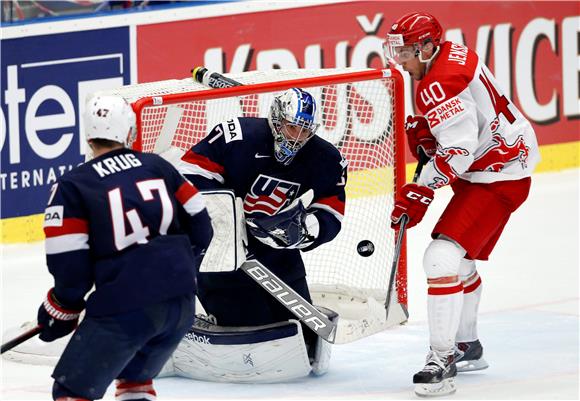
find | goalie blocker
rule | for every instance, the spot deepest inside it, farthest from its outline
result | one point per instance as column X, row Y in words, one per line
column 261, row 354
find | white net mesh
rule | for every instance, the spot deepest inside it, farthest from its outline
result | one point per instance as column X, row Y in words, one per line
column 358, row 118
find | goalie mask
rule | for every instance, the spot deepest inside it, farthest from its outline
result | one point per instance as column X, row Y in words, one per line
column 409, row 34
column 291, row 119
column 110, row 117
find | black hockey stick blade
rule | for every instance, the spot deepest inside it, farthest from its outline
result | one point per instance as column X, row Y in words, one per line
column 212, row 79
column 308, row 314
column 423, row 159
column 8, row 345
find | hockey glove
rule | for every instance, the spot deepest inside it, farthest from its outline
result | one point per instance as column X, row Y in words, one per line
column 56, row 320
column 419, row 136
column 413, row 201
column 293, row 228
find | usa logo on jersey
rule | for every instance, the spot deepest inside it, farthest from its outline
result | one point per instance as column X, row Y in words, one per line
column 269, row 194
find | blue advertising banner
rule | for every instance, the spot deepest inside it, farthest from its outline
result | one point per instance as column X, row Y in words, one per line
column 44, row 83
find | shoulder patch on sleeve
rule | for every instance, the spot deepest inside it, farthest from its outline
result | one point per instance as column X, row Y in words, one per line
column 53, row 216
column 232, row 130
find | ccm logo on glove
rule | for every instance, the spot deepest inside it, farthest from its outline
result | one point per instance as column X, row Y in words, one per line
column 418, row 197
column 412, row 201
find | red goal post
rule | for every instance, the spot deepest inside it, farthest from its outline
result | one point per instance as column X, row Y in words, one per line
column 361, row 111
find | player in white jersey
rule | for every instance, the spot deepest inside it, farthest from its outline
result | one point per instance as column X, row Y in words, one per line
column 478, row 142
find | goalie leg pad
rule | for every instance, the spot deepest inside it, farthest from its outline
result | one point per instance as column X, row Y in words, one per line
column 260, row 354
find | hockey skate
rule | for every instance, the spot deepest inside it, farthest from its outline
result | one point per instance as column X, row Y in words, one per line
column 437, row 378
column 469, row 357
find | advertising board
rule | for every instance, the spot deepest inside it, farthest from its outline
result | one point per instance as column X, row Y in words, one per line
column 44, row 83
column 532, row 47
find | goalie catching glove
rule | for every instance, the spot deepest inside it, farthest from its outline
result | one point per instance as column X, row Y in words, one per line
column 292, row 228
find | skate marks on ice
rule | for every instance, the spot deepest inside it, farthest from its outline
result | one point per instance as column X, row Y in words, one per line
column 532, row 355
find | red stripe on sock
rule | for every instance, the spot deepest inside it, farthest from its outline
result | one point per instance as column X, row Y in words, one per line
column 124, row 387
column 445, row 290
column 443, row 280
column 127, row 384
column 472, row 287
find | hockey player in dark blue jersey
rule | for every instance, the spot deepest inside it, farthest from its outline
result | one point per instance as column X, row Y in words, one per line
column 271, row 164
column 129, row 224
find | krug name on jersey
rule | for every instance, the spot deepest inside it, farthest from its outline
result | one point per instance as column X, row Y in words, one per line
column 115, row 164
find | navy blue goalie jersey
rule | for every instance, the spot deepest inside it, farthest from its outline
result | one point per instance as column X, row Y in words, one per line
column 128, row 223
column 239, row 154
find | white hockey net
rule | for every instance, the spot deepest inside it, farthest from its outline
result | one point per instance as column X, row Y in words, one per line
column 361, row 113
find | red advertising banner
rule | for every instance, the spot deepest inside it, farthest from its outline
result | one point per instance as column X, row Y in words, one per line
column 532, row 47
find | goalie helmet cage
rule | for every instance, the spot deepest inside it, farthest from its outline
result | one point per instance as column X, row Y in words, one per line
column 361, row 112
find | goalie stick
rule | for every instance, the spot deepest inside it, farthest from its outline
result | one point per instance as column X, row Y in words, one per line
column 423, row 159
column 308, row 314
column 27, row 335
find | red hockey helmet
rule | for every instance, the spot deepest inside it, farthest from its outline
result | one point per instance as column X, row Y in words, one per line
column 409, row 34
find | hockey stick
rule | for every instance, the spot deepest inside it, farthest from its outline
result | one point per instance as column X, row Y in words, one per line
column 308, row 314
column 8, row 345
column 212, row 79
column 423, row 159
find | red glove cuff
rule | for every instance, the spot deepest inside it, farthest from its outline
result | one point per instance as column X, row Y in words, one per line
column 56, row 310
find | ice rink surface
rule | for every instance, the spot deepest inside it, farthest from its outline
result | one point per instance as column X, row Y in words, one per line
column 528, row 326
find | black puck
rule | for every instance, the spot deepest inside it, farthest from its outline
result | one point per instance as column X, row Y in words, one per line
column 365, row 248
